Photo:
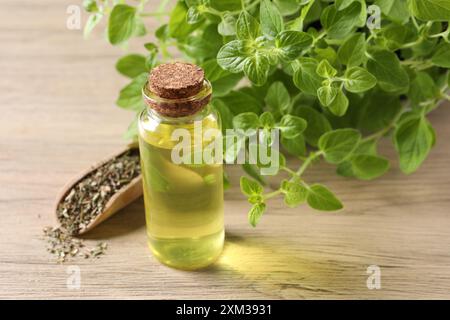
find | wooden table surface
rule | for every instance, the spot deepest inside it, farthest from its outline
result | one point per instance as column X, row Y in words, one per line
column 58, row 116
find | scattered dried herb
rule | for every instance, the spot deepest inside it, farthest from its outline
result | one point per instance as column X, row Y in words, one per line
column 64, row 246
column 84, row 202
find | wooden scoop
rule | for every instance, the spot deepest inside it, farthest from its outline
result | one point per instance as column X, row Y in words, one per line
column 126, row 195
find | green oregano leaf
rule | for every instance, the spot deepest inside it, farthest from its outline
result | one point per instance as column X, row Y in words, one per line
column 213, row 71
column 132, row 132
column 377, row 110
column 256, row 213
column 233, row 55
column 178, row 27
column 121, row 23
column 385, row 66
column 226, row 5
column 318, row 124
column 267, row 120
column 339, row 105
column 352, row 51
column 321, row 198
column 247, row 27
column 337, row 145
column 240, row 102
column 139, row 29
column 246, row 121
column 295, row 146
column 90, row 6
column 151, row 47
column 441, row 57
column 413, row 140
column 253, row 171
column 91, row 23
column 434, row 10
column 327, row 53
column 327, row 94
column 423, row 88
column 358, row 80
column 193, row 15
column 250, row 187
column 226, row 181
column 256, row 68
column 271, row 19
column 339, row 24
column 130, row 97
column 325, row 70
column 292, row 43
column 131, row 65
column 306, row 78
column 291, row 126
column 222, row 80
column 227, row 27
column 278, row 98
column 342, row 4
column 294, row 193
column 225, row 115
column 396, row 11
column 288, row 7
column 369, row 167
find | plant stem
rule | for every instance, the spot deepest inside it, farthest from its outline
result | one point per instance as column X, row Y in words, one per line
column 370, row 37
column 418, row 64
column 288, row 170
column 162, row 6
column 415, row 23
column 320, row 36
column 272, row 194
column 443, row 34
column 154, row 14
column 382, row 132
column 141, row 5
column 212, row 11
column 253, row 4
column 312, row 156
column 303, row 14
column 412, row 44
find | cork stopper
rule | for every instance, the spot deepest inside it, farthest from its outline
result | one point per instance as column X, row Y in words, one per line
column 179, row 89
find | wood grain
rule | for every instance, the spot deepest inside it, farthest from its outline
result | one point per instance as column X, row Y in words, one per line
column 57, row 96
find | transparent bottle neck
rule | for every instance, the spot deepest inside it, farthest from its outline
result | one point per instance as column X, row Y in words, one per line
column 198, row 116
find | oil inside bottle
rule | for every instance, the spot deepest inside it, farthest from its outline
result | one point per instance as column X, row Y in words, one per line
column 183, row 202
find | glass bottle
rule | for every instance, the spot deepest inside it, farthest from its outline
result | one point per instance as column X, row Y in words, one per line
column 183, row 201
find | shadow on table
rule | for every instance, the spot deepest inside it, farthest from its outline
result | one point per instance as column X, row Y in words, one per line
column 127, row 220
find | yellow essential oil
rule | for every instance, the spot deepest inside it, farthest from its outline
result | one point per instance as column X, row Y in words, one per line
column 183, row 202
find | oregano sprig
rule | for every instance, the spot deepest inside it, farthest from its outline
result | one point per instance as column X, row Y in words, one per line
column 314, row 70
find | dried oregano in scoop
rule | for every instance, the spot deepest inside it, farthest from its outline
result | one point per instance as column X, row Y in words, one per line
column 85, row 201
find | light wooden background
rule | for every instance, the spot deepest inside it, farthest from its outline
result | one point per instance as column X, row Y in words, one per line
column 57, row 96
